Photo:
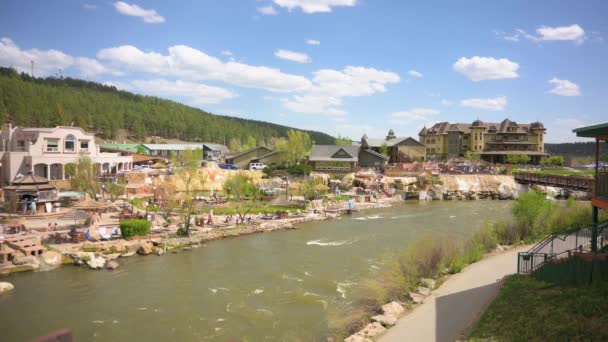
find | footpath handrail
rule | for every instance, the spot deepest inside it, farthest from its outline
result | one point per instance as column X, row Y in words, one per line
column 559, row 246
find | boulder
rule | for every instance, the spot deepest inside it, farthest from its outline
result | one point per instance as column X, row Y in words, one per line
column 160, row 252
column 417, row 297
column 145, row 248
column 5, row 287
column 371, row 330
column 51, row 258
column 111, row 256
column 25, row 260
column 112, row 265
column 357, row 338
column 393, row 308
column 428, row 282
column 132, row 246
column 95, row 262
column 425, row 291
column 505, row 192
column 127, row 254
column 385, row 320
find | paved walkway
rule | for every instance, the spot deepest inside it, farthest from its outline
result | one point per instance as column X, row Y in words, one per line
column 457, row 304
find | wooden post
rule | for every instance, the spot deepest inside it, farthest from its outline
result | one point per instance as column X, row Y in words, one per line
column 595, row 209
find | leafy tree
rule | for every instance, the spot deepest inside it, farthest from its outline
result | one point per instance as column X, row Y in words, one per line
column 384, row 150
column 235, row 145
column 472, row 155
column 84, row 178
column 243, row 190
column 308, row 188
column 114, row 191
column 296, row 147
column 517, row 159
column 553, row 160
column 343, row 141
column 188, row 175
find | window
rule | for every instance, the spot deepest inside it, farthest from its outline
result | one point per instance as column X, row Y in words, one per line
column 84, row 146
column 21, row 145
column 69, row 143
column 52, row 145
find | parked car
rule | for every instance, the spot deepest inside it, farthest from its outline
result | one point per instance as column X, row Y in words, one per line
column 228, row 167
column 257, row 166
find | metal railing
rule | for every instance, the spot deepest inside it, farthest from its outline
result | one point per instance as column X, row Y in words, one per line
column 572, row 182
column 559, row 246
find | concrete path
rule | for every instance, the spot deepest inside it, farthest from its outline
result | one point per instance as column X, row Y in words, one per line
column 457, row 304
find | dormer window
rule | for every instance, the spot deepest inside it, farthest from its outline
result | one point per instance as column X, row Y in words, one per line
column 69, row 143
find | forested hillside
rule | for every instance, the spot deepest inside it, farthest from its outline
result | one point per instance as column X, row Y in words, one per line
column 578, row 149
column 43, row 102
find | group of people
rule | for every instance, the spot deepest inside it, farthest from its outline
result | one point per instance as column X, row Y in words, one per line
column 237, row 219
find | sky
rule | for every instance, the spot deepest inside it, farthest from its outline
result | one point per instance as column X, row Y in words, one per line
column 344, row 67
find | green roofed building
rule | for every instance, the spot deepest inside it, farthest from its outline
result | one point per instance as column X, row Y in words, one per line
column 131, row 148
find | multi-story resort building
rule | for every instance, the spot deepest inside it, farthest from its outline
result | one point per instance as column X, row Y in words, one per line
column 45, row 152
column 492, row 141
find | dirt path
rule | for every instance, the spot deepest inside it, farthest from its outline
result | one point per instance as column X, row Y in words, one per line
column 457, row 304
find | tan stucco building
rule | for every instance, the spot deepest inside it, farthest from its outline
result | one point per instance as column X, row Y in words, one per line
column 493, row 141
column 45, row 152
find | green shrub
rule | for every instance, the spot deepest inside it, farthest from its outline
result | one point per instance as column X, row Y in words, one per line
column 130, row 228
column 300, row 169
column 181, row 232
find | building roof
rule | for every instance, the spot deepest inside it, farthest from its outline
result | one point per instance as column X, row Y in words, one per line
column 30, row 179
column 216, row 147
column 132, row 148
column 506, row 126
column 334, row 153
column 247, row 151
column 592, row 131
column 374, row 153
column 173, row 147
column 422, row 131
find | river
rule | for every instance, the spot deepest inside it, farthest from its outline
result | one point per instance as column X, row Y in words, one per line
column 262, row 287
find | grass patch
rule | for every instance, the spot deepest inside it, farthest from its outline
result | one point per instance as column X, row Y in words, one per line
column 527, row 309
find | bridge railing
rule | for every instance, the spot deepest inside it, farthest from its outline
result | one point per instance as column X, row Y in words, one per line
column 558, row 246
column 572, row 182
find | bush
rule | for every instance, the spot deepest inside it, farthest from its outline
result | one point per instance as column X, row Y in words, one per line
column 181, row 232
column 130, row 228
column 300, row 169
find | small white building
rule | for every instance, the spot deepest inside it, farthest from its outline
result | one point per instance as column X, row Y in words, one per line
column 45, row 152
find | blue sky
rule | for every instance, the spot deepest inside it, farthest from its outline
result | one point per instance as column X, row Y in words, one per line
column 344, row 67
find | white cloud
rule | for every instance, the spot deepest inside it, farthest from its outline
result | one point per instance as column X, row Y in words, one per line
column 572, row 32
column 313, row 42
column 227, row 53
column 495, row 104
column 415, row 73
column 147, row 15
column 89, row 67
column 415, row 114
column 293, row 56
column 196, row 93
column 89, row 6
column 330, row 86
column 267, row 10
column 486, row 68
column 546, row 33
column 189, row 63
column 46, row 62
column 314, row 6
column 564, row 87
column 314, row 104
column 446, row 102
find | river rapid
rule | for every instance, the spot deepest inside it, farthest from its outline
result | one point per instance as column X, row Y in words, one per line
column 262, row 287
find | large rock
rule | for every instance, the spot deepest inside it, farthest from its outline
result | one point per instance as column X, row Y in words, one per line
column 425, row 291
column 112, row 265
column 385, row 320
column 112, row 256
column 5, row 287
column 505, row 192
column 146, row 248
column 96, row 262
column 357, row 338
column 371, row 330
column 132, row 246
column 51, row 258
column 393, row 308
column 25, row 260
column 127, row 254
column 417, row 297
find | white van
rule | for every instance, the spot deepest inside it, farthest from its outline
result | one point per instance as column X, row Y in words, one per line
column 257, row 166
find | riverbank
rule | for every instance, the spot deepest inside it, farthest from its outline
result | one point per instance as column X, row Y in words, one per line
column 454, row 306
column 104, row 254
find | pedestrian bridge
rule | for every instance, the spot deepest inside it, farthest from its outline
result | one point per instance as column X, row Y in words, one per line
column 568, row 182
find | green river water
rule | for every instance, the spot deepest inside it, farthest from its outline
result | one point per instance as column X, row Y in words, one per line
column 262, row 287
